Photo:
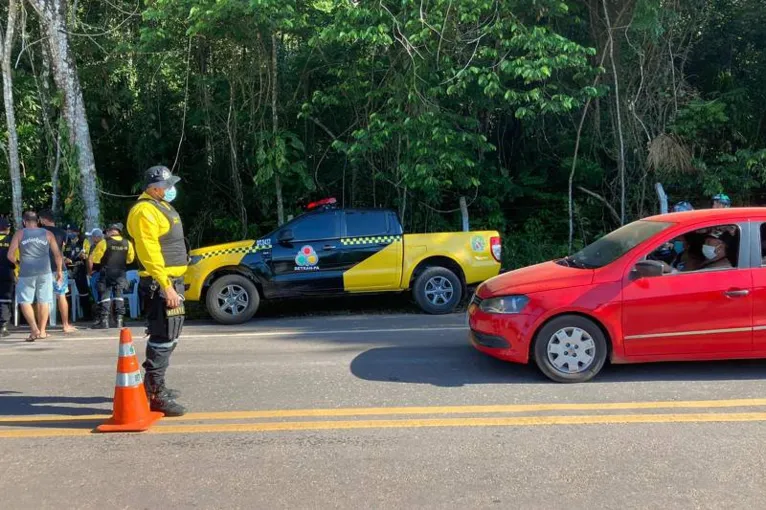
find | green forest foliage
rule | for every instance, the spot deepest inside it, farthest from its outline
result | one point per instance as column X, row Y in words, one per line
column 409, row 105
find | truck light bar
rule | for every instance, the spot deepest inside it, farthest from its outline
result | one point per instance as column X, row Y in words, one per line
column 320, row 203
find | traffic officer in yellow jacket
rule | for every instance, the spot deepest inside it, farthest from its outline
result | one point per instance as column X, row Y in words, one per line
column 156, row 229
column 112, row 254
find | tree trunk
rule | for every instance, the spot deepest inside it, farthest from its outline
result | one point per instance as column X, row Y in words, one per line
column 55, row 183
column 236, row 182
column 464, row 215
column 53, row 14
column 275, row 126
column 53, row 136
column 10, row 112
column 618, row 113
column 354, row 184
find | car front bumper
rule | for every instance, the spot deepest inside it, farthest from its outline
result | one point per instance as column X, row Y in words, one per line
column 500, row 336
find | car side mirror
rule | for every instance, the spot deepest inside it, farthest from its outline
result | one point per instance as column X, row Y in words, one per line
column 285, row 236
column 648, row 269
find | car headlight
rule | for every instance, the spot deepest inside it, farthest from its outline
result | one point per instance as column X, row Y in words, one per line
column 504, row 304
column 195, row 259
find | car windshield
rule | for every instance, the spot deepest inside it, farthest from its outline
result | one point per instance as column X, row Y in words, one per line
column 615, row 244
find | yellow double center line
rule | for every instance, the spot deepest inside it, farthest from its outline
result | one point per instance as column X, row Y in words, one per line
column 61, row 425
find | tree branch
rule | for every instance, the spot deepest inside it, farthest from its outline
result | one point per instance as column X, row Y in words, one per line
column 602, row 200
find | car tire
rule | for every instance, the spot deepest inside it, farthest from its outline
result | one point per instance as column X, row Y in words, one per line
column 438, row 291
column 570, row 349
column 232, row 299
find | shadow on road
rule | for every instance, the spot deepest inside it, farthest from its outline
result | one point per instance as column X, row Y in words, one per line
column 455, row 366
column 13, row 403
column 439, row 366
column 734, row 370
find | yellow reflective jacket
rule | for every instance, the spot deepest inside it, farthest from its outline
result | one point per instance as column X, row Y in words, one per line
column 146, row 225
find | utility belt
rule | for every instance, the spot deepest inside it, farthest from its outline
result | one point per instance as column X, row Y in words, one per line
column 162, row 322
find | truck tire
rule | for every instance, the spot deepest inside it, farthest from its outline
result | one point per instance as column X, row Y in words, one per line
column 438, row 290
column 232, row 299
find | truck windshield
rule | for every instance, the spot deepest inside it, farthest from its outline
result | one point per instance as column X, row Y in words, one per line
column 614, row 245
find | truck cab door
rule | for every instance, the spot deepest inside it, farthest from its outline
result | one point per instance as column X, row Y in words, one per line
column 306, row 256
column 372, row 250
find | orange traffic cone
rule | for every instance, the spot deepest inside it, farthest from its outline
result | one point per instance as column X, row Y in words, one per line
column 131, row 407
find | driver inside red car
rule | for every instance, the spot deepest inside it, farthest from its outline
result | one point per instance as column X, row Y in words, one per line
column 715, row 254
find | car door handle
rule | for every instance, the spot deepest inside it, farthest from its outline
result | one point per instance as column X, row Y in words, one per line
column 736, row 293
column 329, row 247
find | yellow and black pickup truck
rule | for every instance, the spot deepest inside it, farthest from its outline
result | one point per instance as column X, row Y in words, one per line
column 329, row 251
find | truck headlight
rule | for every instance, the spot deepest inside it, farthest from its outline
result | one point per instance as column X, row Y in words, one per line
column 504, row 305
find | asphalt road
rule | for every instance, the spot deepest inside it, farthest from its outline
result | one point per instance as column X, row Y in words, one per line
column 376, row 412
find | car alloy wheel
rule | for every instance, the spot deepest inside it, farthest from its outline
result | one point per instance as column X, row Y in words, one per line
column 233, row 299
column 439, row 290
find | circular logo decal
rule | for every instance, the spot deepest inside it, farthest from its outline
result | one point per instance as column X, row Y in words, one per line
column 306, row 257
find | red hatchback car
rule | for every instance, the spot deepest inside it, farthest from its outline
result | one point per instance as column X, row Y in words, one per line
column 682, row 286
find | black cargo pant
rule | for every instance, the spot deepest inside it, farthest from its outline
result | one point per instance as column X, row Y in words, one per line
column 110, row 288
column 163, row 327
column 7, row 288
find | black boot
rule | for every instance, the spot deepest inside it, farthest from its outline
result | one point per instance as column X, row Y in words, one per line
column 162, row 391
column 119, row 322
column 4, row 330
column 162, row 403
column 102, row 323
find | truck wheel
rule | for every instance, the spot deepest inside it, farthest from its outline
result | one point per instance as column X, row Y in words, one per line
column 438, row 290
column 232, row 299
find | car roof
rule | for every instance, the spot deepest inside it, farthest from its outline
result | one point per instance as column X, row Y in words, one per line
column 346, row 209
column 710, row 214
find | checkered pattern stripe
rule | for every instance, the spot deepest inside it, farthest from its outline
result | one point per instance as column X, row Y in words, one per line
column 356, row 241
column 228, row 251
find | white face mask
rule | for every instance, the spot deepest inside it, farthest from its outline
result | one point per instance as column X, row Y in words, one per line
column 709, row 252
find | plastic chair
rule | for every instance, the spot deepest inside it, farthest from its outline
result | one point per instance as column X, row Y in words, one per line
column 131, row 295
column 76, row 307
column 51, row 317
column 93, row 285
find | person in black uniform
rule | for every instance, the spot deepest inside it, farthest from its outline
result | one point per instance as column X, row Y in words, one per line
column 77, row 270
column 112, row 254
column 7, row 277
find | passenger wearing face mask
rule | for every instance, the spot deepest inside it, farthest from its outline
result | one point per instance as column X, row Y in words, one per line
column 685, row 259
column 714, row 251
column 158, row 234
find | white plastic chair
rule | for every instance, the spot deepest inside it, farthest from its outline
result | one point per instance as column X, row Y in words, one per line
column 51, row 317
column 131, row 294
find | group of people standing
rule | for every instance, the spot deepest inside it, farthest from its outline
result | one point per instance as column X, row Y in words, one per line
column 34, row 266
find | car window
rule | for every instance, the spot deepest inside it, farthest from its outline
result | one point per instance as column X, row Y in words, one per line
column 763, row 244
column 713, row 248
column 615, row 244
column 366, row 223
column 314, row 227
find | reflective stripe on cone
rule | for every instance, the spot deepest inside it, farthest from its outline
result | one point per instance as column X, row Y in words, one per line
column 129, row 380
column 126, row 350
